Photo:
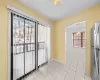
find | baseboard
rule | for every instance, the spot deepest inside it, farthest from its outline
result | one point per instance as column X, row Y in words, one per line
column 57, row 61
column 87, row 75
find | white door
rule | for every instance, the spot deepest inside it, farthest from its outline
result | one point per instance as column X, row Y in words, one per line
column 74, row 54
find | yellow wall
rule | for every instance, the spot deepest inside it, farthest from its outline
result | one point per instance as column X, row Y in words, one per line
column 4, row 32
column 91, row 16
column 57, row 33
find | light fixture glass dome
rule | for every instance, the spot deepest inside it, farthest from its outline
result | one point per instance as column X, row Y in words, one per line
column 56, row 2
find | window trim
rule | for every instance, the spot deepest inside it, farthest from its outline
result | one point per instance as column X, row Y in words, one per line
column 78, row 46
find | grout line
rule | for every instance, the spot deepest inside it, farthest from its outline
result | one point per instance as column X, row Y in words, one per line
column 58, row 61
column 54, row 65
column 48, row 73
column 61, row 68
column 76, row 69
column 43, row 76
column 67, row 71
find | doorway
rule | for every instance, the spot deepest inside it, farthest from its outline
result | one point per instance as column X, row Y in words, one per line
column 75, row 39
column 29, row 46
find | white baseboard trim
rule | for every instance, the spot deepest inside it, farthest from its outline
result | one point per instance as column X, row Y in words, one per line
column 57, row 61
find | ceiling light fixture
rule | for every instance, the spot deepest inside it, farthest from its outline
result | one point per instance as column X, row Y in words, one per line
column 56, row 2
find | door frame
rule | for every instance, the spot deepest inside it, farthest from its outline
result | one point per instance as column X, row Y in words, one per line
column 66, row 27
column 36, row 58
column 10, row 10
column 9, row 44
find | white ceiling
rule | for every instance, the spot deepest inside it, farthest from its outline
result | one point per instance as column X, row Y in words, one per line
column 47, row 9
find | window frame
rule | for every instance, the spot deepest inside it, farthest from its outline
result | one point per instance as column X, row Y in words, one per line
column 81, row 39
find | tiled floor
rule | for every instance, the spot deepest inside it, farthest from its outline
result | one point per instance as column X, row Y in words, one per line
column 58, row 71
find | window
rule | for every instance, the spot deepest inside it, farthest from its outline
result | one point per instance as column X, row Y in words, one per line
column 79, row 39
column 83, row 40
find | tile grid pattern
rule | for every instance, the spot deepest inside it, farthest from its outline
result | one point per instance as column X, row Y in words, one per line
column 58, row 71
column 76, row 70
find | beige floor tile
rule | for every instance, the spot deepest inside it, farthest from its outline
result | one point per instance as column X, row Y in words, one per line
column 58, row 71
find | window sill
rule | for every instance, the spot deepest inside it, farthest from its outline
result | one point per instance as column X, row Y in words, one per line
column 79, row 47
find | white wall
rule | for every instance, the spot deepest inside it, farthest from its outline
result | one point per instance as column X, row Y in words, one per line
column 74, row 53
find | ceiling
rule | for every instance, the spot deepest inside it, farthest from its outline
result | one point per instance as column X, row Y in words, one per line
column 54, row 13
